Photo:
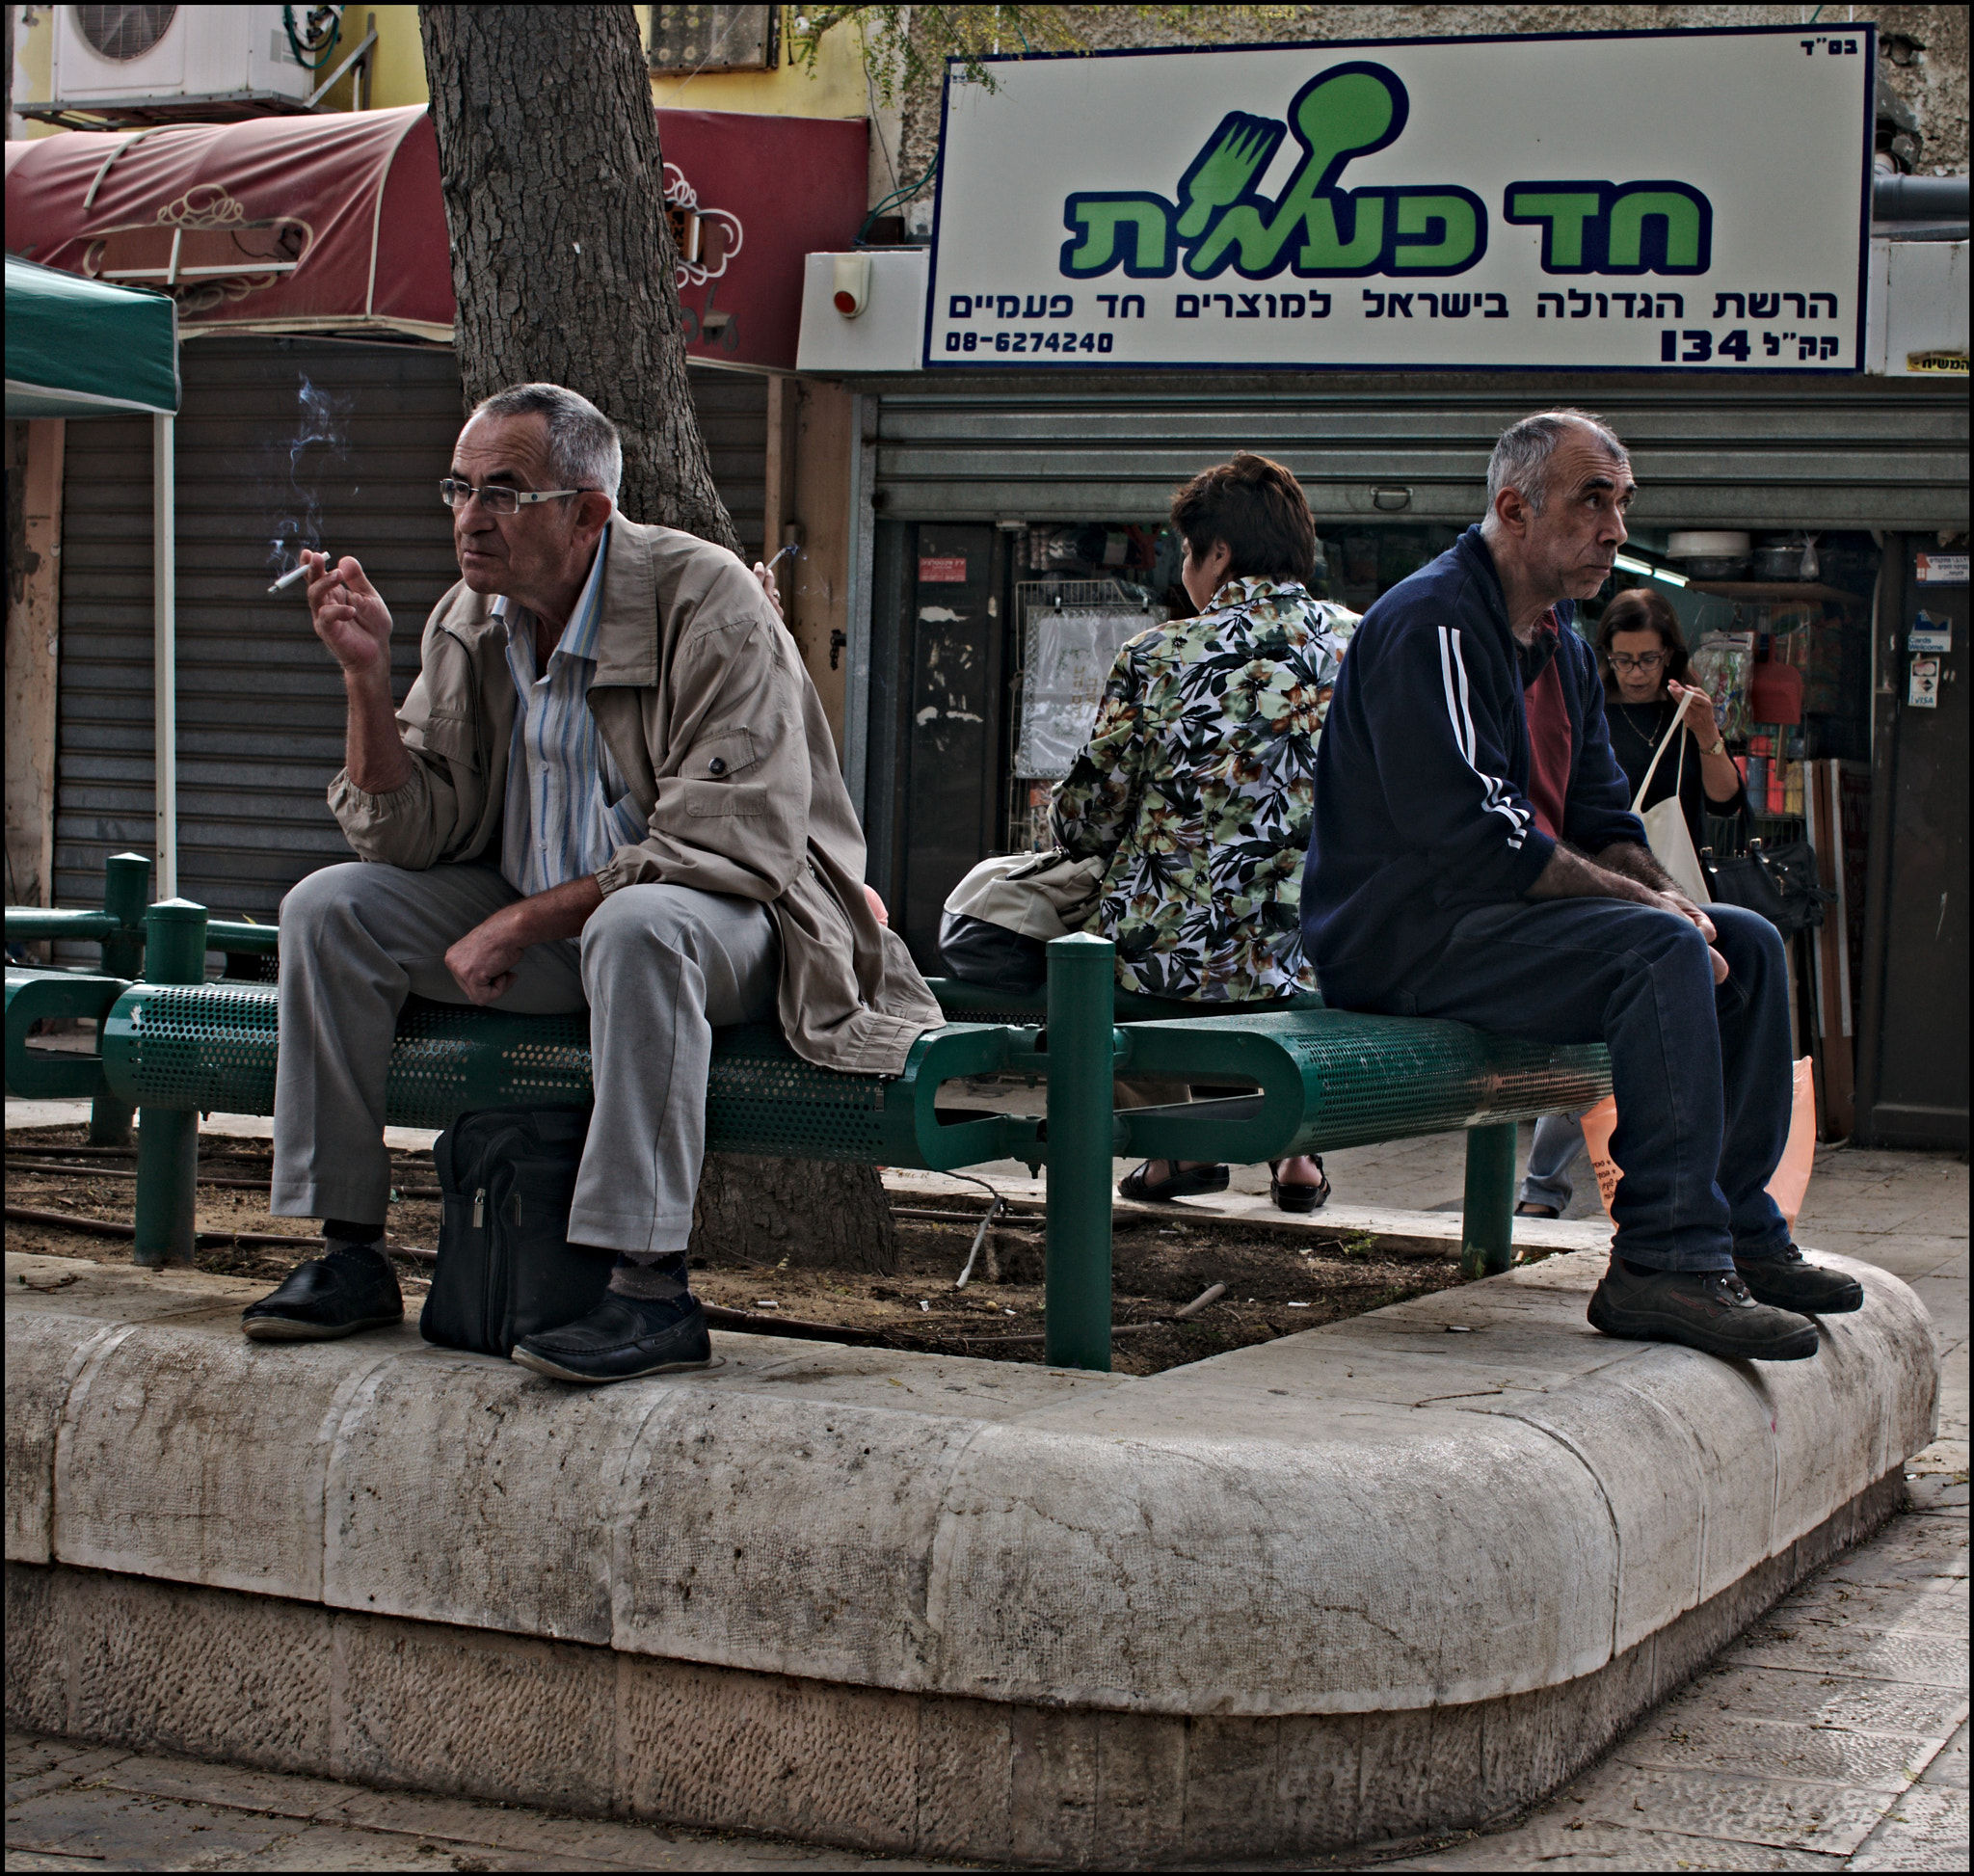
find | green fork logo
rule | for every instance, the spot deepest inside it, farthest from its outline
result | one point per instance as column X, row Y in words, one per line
column 1312, row 229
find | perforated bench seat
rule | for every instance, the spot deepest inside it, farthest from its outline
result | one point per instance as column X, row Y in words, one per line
column 211, row 1047
column 1323, row 1078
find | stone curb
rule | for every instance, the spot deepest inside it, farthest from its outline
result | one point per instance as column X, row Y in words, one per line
column 1497, row 1545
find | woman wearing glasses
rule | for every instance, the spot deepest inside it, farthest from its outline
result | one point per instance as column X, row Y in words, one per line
column 1645, row 670
column 1644, row 659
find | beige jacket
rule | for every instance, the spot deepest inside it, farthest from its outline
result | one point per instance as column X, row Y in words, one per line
column 719, row 733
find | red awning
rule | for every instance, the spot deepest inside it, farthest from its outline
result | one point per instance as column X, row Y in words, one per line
column 329, row 224
column 334, row 223
column 766, row 191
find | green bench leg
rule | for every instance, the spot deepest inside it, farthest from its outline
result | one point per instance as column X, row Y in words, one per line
column 1487, row 1225
column 168, row 1138
column 1076, row 1270
column 167, row 1185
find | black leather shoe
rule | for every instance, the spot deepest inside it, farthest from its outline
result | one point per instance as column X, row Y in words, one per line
column 1789, row 1280
column 339, row 1293
column 620, row 1339
column 1709, row 1310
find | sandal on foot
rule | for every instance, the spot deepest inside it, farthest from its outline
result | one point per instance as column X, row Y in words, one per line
column 1300, row 1197
column 1530, row 1209
column 1182, row 1183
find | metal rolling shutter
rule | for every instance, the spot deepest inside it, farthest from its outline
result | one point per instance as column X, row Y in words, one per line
column 260, row 705
column 733, row 417
column 1858, row 453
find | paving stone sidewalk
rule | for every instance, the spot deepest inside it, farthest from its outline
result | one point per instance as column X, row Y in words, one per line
column 1833, row 1735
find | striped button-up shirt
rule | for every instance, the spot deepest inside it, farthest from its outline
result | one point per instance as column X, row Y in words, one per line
column 567, row 810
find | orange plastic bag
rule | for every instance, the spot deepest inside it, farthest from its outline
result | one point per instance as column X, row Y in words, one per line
column 1791, row 1179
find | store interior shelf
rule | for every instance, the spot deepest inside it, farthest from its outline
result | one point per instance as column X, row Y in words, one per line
column 1776, row 589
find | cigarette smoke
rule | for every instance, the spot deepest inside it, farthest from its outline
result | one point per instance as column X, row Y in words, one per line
column 320, row 426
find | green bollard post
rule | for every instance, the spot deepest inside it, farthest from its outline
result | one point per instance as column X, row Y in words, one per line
column 1076, row 1267
column 127, row 891
column 1487, row 1225
column 168, row 1138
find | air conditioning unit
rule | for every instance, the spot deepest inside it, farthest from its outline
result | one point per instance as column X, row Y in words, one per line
column 124, row 54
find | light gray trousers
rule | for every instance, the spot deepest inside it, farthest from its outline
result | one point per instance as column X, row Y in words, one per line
column 659, row 967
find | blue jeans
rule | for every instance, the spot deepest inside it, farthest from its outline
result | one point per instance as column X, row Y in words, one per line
column 1558, row 1140
column 1702, row 1076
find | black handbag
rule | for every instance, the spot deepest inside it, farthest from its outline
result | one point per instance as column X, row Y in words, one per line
column 506, row 1268
column 979, row 952
column 1780, row 883
column 997, row 923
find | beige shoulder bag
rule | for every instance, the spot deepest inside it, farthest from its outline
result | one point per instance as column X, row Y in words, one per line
column 1666, row 830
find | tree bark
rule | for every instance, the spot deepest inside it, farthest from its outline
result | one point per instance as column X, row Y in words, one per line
column 562, row 255
column 563, row 270
column 813, row 1214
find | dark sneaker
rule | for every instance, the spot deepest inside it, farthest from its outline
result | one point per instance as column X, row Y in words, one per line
column 620, row 1339
column 1709, row 1310
column 1789, row 1280
column 349, row 1288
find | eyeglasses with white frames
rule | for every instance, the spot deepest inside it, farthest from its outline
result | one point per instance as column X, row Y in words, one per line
column 455, row 494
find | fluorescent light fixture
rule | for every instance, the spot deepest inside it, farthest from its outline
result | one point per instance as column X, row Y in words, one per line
column 1649, row 571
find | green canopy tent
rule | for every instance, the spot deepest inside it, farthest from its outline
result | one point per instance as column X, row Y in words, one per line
column 82, row 348
column 78, row 347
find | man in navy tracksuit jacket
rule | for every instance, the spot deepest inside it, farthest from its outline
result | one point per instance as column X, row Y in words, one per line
column 1474, row 856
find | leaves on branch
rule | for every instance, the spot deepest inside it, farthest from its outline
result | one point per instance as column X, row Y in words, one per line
column 904, row 46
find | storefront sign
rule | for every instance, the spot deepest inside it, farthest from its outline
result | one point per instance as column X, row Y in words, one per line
column 1686, row 202
column 1940, row 569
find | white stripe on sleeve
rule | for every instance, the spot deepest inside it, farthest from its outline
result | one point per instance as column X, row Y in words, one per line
column 1452, row 675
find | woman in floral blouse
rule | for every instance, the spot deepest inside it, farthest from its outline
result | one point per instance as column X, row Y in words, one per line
column 1197, row 781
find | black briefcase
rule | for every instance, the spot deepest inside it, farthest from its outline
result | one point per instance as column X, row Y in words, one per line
column 506, row 1268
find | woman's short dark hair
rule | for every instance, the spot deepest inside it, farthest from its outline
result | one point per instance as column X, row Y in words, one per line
column 1258, row 509
column 1638, row 608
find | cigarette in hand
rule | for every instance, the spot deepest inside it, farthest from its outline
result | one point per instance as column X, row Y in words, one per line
column 299, row 571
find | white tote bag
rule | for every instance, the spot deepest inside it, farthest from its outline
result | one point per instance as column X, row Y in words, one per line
column 1666, row 829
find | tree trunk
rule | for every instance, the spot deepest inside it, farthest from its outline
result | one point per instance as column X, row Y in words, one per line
column 562, row 255
column 815, row 1214
column 563, row 268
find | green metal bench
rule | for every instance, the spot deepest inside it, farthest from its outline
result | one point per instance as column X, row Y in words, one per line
column 177, row 1046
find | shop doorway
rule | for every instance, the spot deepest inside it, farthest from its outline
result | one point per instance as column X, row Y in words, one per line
column 1913, row 1069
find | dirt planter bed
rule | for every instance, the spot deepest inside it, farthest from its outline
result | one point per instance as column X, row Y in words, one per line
column 1271, row 1277
column 1396, row 1574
